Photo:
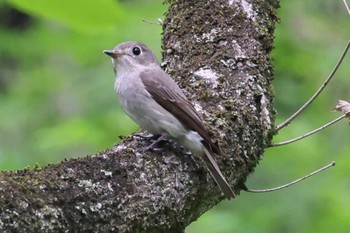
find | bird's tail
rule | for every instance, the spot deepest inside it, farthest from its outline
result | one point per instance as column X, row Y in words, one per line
column 216, row 174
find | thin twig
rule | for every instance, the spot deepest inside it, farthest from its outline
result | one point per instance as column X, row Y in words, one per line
column 291, row 183
column 159, row 23
column 331, row 75
column 307, row 134
column 346, row 6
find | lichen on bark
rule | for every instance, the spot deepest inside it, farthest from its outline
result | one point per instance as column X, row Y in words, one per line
column 218, row 52
column 233, row 42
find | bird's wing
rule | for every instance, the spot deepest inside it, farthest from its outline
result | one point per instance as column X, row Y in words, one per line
column 167, row 94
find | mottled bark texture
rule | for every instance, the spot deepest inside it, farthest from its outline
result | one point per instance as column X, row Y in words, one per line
column 218, row 52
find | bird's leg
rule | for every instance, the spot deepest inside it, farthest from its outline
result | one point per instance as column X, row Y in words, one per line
column 160, row 138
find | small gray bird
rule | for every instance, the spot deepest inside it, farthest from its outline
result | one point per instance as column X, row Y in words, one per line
column 155, row 102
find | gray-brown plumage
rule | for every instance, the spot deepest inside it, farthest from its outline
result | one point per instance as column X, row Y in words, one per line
column 154, row 101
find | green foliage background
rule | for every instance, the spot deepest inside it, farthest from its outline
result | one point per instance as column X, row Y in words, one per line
column 57, row 101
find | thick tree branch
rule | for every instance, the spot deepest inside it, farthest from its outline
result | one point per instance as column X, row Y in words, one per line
column 218, row 52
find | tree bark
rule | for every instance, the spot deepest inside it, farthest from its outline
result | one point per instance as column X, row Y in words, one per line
column 219, row 53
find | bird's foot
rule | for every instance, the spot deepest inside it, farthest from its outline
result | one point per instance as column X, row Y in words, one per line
column 157, row 139
column 148, row 137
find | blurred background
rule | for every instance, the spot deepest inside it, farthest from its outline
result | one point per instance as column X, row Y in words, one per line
column 57, row 101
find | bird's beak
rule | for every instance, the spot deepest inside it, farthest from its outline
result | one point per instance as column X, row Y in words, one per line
column 113, row 53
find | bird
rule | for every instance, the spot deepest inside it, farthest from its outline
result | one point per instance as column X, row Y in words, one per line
column 155, row 102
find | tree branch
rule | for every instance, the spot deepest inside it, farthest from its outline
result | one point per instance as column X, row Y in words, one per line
column 218, row 52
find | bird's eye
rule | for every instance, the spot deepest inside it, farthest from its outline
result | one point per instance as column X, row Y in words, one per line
column 136, row 51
